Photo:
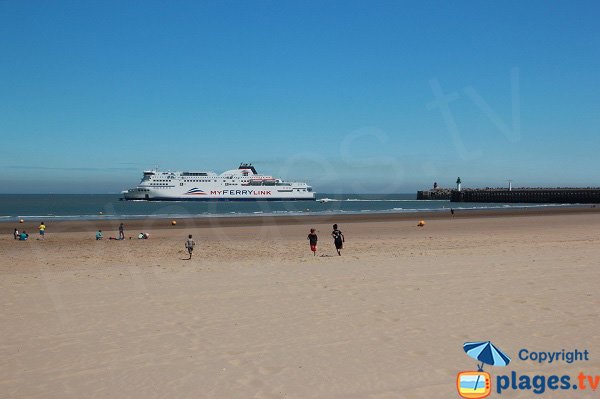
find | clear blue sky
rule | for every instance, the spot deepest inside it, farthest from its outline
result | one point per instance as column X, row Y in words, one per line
column 342, row 93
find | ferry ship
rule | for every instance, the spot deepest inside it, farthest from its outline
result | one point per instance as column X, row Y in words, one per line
column 241, row 184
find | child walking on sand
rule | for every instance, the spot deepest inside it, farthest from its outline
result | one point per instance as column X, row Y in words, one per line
column 189, row 244
column 42, row 230
column 338, row 239
column 312, row 239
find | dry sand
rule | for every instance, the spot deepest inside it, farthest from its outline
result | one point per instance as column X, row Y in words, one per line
column 255, row 315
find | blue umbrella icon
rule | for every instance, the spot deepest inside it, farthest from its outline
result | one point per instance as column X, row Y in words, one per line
column 486, row 353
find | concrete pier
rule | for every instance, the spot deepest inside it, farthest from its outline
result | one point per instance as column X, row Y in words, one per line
column 529, row 195
column 435, row 194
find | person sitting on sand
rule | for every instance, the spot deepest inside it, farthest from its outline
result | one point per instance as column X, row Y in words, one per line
column 143, row 236
column 23, row 236
column 16, row 234
column 189, row 244
column 312, row 239
column 99, row 235
column 338, row 239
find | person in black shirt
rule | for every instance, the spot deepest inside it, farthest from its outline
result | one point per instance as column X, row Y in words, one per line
column 338, row 239
column 312, row 239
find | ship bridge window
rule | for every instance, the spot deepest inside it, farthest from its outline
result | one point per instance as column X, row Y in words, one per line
column 194, row 174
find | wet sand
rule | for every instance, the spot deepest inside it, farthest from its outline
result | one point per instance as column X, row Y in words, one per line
column 149, row 224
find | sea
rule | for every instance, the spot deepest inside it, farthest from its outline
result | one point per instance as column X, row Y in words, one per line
column 109, row 206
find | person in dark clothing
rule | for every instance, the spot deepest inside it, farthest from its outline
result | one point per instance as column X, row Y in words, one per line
column 312, row 239
column 121, row 232
column 338, row 239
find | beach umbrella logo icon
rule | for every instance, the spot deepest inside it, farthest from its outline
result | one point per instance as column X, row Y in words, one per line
column 477, row 384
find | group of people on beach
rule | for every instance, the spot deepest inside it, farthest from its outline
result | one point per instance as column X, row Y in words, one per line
column 121, row 236
column 23, row 236
column 338, row 241
column 338, row 238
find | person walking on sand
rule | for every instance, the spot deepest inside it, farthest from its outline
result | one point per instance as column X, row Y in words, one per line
column 189, row 244
column 121, row 232
column 42, row 230
column 338, row 239
column 312, row 239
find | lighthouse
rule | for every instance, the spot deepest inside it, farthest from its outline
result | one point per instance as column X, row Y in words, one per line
column 458, row 184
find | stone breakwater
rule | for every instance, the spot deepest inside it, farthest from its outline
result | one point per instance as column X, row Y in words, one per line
column 435, row 194
column 529, row 195
column 515, row 195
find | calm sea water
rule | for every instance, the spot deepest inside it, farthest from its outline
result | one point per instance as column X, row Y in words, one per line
column 100, row 206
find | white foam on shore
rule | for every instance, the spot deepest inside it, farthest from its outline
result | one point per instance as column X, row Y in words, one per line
column 95, row 217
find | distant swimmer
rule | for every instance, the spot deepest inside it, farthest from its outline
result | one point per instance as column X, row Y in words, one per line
column 338, row 239
column 312, row 239
column 189, row 244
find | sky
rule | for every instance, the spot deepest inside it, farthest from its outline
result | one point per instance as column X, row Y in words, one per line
column 352, row 96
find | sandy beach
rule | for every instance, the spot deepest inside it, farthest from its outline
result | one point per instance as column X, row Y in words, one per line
column 255, row 315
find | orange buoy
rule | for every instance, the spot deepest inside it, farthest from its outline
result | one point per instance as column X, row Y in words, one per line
column 173, row 222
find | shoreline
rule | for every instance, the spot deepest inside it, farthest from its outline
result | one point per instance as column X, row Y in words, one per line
column 148, row 224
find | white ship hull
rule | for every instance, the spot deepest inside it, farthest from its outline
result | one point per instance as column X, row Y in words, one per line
column 242, row 184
